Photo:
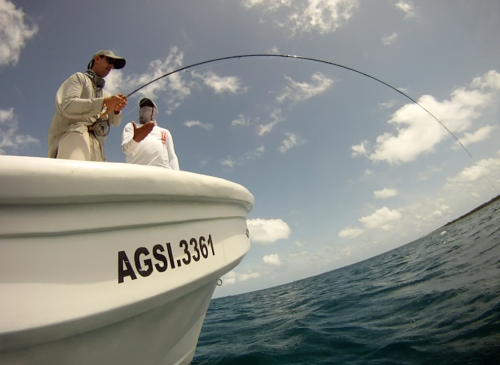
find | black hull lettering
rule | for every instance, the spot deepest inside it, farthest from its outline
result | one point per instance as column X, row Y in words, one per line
column 122, row 274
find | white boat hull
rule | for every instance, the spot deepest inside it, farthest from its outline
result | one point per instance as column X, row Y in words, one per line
column 165, row 335
column 111, row 263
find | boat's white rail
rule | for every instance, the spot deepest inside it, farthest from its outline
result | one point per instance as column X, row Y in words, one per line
column 31, row 180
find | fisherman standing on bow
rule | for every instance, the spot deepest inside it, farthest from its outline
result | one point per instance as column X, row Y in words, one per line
column 85, row 112
column 149, row 144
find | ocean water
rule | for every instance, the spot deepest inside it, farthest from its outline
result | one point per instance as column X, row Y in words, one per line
column 433, row 301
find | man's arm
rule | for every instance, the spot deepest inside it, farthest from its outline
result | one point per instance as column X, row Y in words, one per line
column 114, row 116
column 172, row 157
column 132, row 135
column 69, row 101
column 128, row 143
column 74, row 100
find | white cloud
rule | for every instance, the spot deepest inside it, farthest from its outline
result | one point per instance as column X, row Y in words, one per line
column 267, row 231
column 408, row 8
column 380, row 217
column 229, row 278
column 276, row 117
column 272, row 259
column 254, row 154
column 430, row 210
column 490, row 80
column 228, row 162
column 386, row 227
column 360, row 149
column 14, row 32
column 429, row 170
column 10, row 139
column 387, row 105
column 480, row 135
column 195, row 123
column 472, row 173
column 247, row 275
column 273, row 50
column 385, row 193
column 387, row 41
column 173, row 87
column 324, row 16
column 299, row 254
column 345, row 252
column 270, row 5
column 220, row 84
column 116, row 84
column 350, row 232
column 300, row 91
column 418, row 132
column 248, row 156
column 7, row 115
column 241, row 121
column 290, row 141
column 232, row 277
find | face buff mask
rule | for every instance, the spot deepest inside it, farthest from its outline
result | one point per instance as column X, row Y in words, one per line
column 147, row 114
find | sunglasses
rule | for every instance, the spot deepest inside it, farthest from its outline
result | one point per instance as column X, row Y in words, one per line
column 110, row 60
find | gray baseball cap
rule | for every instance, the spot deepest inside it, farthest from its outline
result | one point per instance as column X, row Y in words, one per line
column 147, row 102
column 119, row 61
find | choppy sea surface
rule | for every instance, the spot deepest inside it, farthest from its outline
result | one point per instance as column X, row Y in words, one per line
column 433, row 301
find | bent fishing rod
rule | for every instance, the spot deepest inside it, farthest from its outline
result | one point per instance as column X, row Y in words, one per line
column 264, row 55
column 298, row 58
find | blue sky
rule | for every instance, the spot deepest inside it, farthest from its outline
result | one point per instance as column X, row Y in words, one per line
column 342, row 168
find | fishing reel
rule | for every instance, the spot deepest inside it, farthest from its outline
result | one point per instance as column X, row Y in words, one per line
column 101, row 128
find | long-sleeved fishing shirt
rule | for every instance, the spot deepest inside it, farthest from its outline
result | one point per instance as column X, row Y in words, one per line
column 157, row 149
column 78, row 104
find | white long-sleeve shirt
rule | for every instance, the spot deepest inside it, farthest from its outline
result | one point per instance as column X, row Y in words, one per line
column 77, row 106
column 157, row 149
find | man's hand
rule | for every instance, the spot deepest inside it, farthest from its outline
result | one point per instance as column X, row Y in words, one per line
column 116, row 102
column 142, row 132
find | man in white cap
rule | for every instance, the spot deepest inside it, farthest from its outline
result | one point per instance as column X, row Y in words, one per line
column 85, row 112
column 149, row 144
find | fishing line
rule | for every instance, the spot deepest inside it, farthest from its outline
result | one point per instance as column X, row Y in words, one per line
column 130, row 111
column 319, row 61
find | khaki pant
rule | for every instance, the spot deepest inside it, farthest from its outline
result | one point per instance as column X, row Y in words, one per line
column 78, row 146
